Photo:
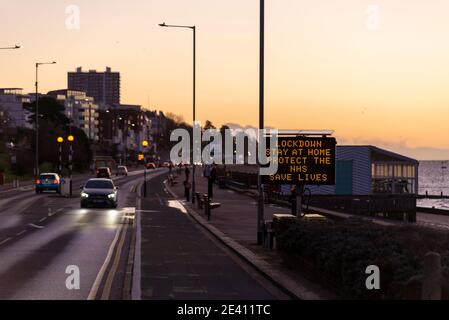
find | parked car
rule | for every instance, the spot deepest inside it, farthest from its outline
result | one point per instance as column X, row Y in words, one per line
column 48, row 182
column 122, row 171
column 104, row 173
column 99, row 192
column 151, row 166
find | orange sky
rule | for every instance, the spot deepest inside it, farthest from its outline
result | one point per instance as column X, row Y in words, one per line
column 328, row 66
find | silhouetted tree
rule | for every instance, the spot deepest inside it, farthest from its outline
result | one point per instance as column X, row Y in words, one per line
column 52, row 124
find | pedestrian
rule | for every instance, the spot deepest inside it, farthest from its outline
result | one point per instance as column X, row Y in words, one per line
column 212, row 179
column 187, row 187
column 293, row 200
column 187, row 171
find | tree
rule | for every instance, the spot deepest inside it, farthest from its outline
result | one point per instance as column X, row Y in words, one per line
column 50, row 111
column 208, row 125
column 53, row 124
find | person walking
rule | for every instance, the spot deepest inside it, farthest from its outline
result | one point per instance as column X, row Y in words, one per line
column 212, row 179
column 293, row 200
column 187, row 172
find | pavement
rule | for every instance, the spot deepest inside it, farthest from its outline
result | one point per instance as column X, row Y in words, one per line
column 234, row 225
column 178, row 259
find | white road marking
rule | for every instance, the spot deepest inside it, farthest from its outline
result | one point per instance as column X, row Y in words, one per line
column 130, row 210
column 36, row 226
column 94, row 290
column 159, row 198
column 43, row 219
column 136, row 291
column 21, row 232
column 148, row 211
column 110, row 279
column 5, row 241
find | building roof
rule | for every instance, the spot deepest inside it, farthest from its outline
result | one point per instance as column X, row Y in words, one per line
column 382, row 155
column 11, row 90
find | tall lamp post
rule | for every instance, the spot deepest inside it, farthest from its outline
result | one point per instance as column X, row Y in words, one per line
column 38, row 64
column 60, row 141
column 261, row 202
column 193, row 28
column 145, row 145
column 71, row 139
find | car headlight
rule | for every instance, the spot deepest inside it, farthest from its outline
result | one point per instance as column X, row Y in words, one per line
column 111, row 196
column 84, row 195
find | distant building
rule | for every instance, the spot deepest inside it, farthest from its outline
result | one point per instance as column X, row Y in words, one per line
column 158, row 127
column 127, row 107
column 80, row 109
column 11, row 105
column 122, row 131
column 103, row 87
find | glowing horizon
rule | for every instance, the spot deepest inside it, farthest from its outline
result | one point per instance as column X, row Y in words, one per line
column 328, row 65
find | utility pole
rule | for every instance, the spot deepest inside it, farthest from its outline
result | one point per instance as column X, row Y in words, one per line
column 261, row 202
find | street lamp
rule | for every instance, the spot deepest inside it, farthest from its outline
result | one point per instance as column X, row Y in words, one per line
column 60, row 140
column 37, row 112
column 11, row 48
column 164, row 25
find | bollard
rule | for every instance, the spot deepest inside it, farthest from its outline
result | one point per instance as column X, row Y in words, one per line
column 432, row 279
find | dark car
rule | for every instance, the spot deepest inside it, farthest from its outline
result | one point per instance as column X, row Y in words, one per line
column 48, row 182
column 151, row 166
column 104, row 173
column 99, row 192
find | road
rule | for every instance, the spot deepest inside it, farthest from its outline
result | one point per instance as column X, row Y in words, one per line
column 42, row 235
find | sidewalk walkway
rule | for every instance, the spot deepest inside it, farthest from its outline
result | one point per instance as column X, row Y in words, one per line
column 182, row 261
column 235, row 222
column 237, row 216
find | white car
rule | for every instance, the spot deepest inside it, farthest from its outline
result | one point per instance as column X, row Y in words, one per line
column 122, row 171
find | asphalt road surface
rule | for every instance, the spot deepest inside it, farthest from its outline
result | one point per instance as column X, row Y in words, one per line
column 44, row 236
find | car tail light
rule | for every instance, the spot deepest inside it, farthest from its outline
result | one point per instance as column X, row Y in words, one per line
column 55, row 181
column 38, row 182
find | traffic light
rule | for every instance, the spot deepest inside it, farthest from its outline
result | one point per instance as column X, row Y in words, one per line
column 141, row 157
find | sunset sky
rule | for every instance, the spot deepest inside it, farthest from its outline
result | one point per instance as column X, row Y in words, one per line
column 329, row 64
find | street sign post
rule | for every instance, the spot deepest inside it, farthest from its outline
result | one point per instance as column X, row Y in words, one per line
column 302, row 161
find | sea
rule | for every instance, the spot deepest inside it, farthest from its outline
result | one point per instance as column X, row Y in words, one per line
column 434, row 179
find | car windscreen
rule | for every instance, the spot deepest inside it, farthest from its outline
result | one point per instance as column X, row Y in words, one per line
column 96, row 184
column 47, row 177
